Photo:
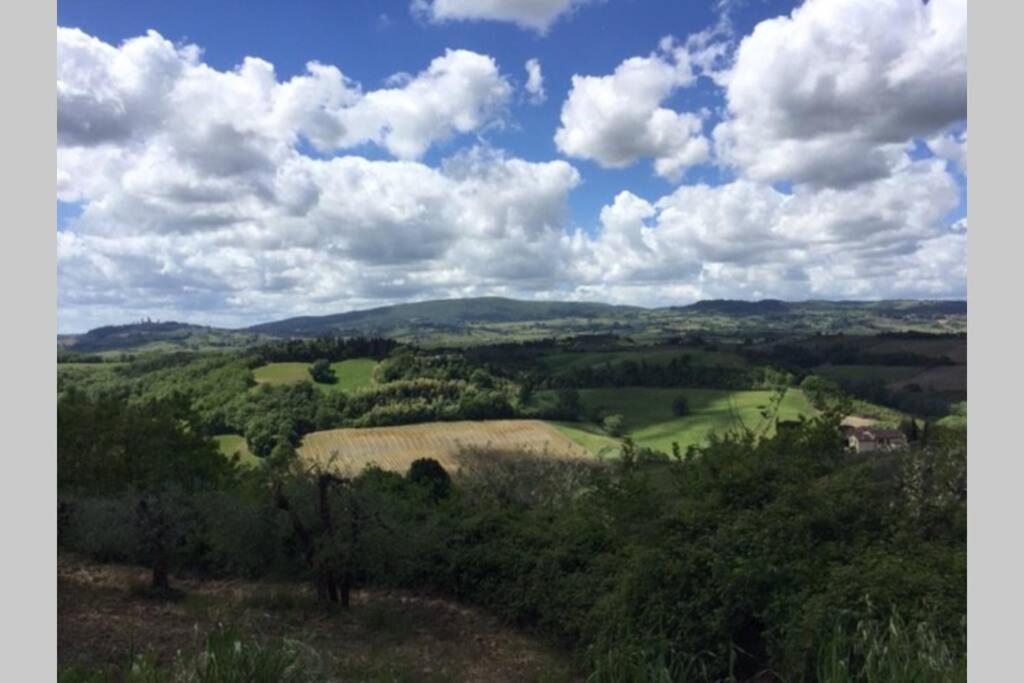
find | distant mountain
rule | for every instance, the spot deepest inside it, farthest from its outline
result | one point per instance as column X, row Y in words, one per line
column 738, row 307
column 156, row 336
column 491, row 319
column 770, row 307
column 442, row 313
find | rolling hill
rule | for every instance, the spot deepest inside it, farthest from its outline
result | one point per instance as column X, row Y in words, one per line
column 495, row 319
column 443, row 313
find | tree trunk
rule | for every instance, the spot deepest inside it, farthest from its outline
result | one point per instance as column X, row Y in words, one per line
column 155, row 529
column 346, row 589
column 160, row 580
column 323, row 484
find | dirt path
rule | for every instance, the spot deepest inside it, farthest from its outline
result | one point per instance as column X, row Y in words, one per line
column 384, row 637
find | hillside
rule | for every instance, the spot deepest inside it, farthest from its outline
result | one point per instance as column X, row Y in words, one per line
column 463, row 322
column 156, row 336
column 443, row 313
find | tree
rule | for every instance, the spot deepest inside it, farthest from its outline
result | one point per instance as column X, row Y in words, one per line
column 331, row 519
column 680, row 406
column 526, row 391
column 613, row 424
column 149, row 454
column 432, row 476
column 322, row 372
column 910, row 429
column 819, row 390
column 265, row 432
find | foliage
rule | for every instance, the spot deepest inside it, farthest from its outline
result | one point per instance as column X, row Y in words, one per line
column 321, row 371
column 749, row 552
column 891, row 650
column 613, row 424
column 429, row 474
column 145, row 458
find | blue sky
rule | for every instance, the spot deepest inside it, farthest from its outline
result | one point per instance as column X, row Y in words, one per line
column 754, row 143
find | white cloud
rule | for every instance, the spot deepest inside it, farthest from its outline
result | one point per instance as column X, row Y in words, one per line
column 535, row 82
column 951, row 147
column 537, row 15
column 319, row 233
column 746, row 239
column 618, row 119
column 198, row 201
column 831, row 94
column 109, row 94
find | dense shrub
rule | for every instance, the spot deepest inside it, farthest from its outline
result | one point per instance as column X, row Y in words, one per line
column 429, row 474
column 747, row 555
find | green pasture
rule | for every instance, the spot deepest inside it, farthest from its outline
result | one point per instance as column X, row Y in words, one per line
column 648, row 419
column 354, row 373
column 230, row 444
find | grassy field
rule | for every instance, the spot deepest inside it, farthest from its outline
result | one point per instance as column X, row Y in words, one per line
column 282, row 373
column 648, row 419
column 395, row 448
column 234, row 443
column 590, row 436
column 354, row 373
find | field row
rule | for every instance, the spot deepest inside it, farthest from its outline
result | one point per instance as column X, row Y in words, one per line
column 395, row 448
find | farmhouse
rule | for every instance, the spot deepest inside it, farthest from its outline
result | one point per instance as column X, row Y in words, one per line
column 873, row 438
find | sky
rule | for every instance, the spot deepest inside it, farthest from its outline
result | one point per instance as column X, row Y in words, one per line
column 235, row 162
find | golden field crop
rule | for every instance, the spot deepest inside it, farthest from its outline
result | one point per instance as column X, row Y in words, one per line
column 395, row 448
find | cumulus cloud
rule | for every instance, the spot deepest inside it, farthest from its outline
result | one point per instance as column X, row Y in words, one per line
column 535, row 82
column 111, row 95
column 747, row 239
column 951, row 147
column 618, row 119
column 199, row 200
column 832, row 93
column 339, row 230
column 537, row 15
column 195, row 196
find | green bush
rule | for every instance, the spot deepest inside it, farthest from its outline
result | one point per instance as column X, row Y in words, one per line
column 429, row 474
column 613, row 425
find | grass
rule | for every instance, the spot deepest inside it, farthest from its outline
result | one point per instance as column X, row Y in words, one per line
column 885, row 415
column 353, row 374
column 891, row 651
column 282, row 373
column 589, row 436
column 230, row 444
column 648, row 419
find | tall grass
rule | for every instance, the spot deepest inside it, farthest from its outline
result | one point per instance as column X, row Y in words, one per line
column 224, row 657
column 892, row 651
column 630, row 660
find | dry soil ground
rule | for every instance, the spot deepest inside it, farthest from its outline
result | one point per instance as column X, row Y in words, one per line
column 385, row 636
